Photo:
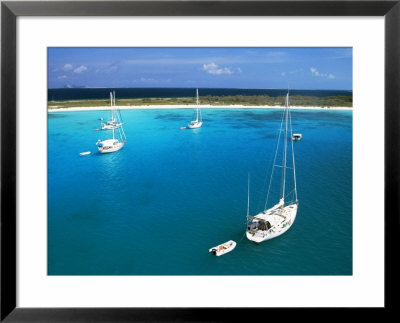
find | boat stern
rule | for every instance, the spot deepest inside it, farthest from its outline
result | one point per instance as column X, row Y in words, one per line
column 255, row 236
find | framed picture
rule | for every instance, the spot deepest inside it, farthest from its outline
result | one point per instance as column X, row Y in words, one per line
column 112, row 225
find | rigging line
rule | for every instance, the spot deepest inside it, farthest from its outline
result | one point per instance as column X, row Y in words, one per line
column 261, row 194
column 120, row 115
column 242, row 236
column 281, row 166
column 119, row 120
column 111, row 106
column 289, row 193
column 201, row 118
column 198, row 102
column 276, row 154
column 248, row 194
column 270, row 170
column 274, row 162
column 285, row 146
column 122, row 131
column 294, row 167
column 244, row 231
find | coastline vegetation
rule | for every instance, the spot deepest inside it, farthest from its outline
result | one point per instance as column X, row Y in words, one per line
column 254, row 100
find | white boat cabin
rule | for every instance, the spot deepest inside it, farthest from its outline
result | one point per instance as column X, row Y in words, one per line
column 296, row 136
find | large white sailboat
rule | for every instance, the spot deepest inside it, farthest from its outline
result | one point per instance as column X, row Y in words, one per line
column 118, row 139
column 197, row 123
column 276, row 220
column 112, row 123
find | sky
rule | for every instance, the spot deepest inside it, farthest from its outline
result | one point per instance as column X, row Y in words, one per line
column 245, row 68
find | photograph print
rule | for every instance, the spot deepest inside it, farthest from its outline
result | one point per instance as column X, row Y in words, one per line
column 200, row 161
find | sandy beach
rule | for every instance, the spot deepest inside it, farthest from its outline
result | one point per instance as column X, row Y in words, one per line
column 146, row 107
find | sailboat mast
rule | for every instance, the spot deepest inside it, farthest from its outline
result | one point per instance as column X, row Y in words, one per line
column 111, row 106
column 114, row 112
column 248, row 194
column 197, row 104
column 285, row 146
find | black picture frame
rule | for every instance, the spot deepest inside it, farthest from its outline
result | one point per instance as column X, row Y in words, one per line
column 10, row 10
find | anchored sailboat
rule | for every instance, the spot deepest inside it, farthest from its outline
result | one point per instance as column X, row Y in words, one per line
column 112, row 123
column 198, row 122
column 118, row 139
column 279, row 218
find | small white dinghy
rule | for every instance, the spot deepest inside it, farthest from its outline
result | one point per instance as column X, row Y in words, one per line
column 85, row 153
column 223, row 248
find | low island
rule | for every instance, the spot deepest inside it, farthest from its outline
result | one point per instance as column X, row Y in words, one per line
column 239, row 101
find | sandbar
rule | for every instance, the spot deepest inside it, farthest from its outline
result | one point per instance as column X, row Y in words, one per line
column 149, row 107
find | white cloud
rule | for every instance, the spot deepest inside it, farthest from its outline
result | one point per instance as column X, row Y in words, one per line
column 67, row 67
column 292, row 72
column 112, row 68
column 80, row 69
column 107, row 68
column 343, row 53
column 149, row 80
column 213, row 68
column 144, row 79
column 315, row 72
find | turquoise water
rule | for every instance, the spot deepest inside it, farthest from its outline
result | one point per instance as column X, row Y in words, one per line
column 134, row 93
column 156, row 206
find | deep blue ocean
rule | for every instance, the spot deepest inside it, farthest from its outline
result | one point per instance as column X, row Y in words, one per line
column 135, row 93
column 156, row 206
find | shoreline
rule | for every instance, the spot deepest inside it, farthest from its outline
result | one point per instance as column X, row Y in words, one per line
column 151, row 107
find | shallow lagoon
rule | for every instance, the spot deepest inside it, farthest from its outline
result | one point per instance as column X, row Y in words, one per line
column 157, row 206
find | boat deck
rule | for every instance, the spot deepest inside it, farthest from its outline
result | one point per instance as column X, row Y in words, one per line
column 280, row 220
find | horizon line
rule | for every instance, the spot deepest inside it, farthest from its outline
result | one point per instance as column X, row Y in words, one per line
column 226, row 88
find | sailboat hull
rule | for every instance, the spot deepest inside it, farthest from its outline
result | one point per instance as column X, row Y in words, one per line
column 195, row 125
column 271, row 223
column 111, row 149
